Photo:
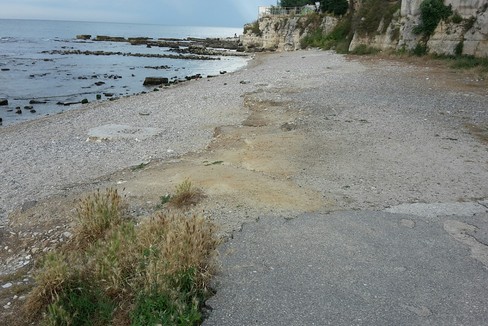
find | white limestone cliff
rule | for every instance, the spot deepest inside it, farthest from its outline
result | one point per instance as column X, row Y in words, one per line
column 468, row 36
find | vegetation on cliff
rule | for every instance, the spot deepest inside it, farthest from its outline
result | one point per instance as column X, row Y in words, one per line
column 338, row 40
column 371, row 26
column 431, row 13
column 336, row 7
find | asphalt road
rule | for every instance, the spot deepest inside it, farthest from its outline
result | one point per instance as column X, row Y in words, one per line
column 415, row 265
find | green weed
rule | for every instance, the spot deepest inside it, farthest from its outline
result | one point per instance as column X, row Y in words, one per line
column 186, row 195
column 363, row 49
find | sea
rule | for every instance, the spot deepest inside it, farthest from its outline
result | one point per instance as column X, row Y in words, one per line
column 35, row 81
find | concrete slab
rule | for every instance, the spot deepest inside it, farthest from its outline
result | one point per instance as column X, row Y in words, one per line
column 115, row 131
column 439, row 209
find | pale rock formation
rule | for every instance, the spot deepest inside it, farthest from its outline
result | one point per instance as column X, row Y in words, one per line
column 469, row 37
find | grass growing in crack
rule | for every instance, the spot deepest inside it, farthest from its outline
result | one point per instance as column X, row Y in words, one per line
column 153, row 272
column 139, row 167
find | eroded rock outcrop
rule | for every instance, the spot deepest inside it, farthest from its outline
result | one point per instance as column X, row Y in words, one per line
column 464, row 32
column 283, row 33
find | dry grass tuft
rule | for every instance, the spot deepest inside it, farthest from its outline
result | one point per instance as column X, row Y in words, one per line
column 175, row 244
column 186, row 195
column 96, row 214
column 156, row 272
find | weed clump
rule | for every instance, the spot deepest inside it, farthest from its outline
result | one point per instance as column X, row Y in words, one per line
column 431, row 13
column 186, row 195
column 363, row 49
column 98, row 213
column 339, row 39
column 154, row 272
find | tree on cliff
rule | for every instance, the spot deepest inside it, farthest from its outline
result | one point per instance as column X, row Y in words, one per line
column 295, row 3
column 337, row 7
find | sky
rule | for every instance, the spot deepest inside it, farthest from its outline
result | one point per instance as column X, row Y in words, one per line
column 222, row 13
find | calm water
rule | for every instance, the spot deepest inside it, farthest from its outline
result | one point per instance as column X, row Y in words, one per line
column 28, row 74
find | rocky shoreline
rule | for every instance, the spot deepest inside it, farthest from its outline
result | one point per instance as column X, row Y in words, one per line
column 215, row 43
column 107, row 86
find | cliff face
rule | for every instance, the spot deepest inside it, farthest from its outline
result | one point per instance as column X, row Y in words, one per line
column 391, row 27
column 283, row 33
column 468, row 36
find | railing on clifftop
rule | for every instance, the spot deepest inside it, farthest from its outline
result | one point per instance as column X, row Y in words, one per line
column 285, row 11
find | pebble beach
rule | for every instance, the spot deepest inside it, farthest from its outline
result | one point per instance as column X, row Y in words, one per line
column 51, row 155
column 44, row 157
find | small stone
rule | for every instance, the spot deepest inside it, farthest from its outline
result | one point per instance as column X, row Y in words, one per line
column 67, row 234
column 7, row 285
column 3, row 101
column 407, row 223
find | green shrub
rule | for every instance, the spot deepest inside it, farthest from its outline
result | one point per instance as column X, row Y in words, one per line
column 80, row 304
column 363, row 49
column 339, row 39
column 336, row 7
column 420, row 50
column 431, row 13
column 176, row 308
column 459, row 49
column 314, row 39
column 456, row 18
column 469, row 62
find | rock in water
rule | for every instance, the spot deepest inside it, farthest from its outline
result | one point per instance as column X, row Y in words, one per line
column 83, row 37
column 3, row 101
column 37, row 102
column 155, row 81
